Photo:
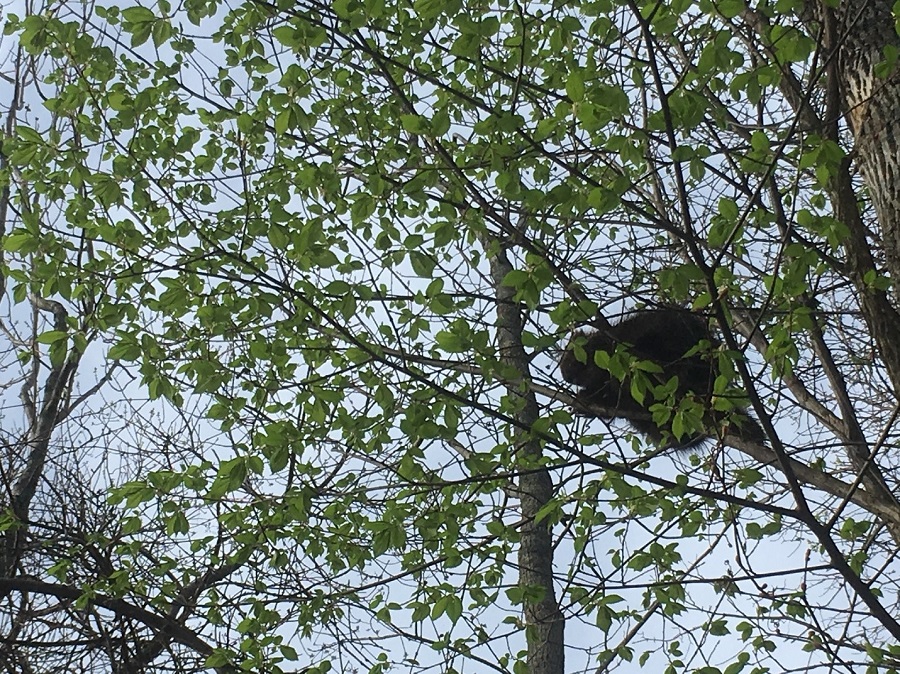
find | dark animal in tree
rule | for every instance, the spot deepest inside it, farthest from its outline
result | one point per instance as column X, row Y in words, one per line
column 658, row 369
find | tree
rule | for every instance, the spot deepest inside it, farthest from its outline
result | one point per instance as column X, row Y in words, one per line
column 287, row 284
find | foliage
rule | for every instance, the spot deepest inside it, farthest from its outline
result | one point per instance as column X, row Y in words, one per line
column 259, row 245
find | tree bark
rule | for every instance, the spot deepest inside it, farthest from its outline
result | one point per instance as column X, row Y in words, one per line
column 543, row 620
column 863, row 29
column 855, row 35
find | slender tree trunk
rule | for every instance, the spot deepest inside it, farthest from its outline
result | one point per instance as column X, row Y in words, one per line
column 543, row 619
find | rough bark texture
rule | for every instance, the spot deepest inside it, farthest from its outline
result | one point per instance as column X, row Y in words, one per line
column 543, row 619
column 860, row 31
column 854, row 36
column 864, row 28
column 852, row 41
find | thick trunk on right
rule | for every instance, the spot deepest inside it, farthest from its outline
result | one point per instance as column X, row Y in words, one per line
column 863, row 29
column 859, row 31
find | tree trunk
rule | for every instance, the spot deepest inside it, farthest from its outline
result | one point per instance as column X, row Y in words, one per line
column 543, row 619
column 863, row 29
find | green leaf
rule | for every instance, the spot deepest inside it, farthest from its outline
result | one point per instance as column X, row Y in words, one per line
column 575, row 87
column 363, row 206
column 423, row 264
column 52, row 337
column 20, row 241
column 138, row 14
column 288, row 36
column 162, row 31
column 730, row 8
column 415, row 124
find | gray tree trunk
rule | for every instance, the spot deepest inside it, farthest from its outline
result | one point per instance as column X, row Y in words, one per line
column 862, row 31
column 543, row 620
